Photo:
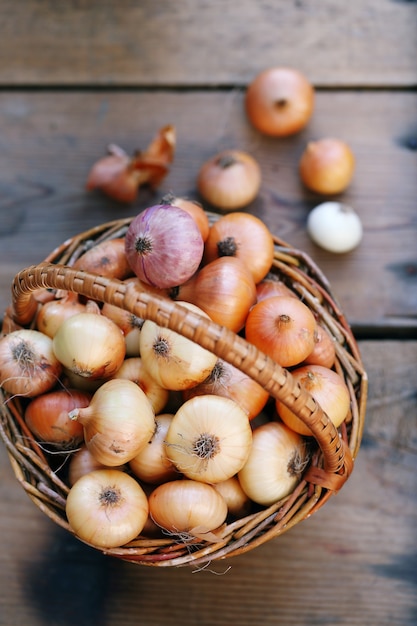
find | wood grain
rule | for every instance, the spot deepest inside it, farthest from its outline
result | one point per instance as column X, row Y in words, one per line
column 126, row 43
column 50, row 140
column 352, row 563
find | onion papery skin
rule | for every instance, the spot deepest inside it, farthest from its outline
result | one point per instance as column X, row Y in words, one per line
column 107, row 508
column 209, row 438
column 90, row 344
column 187, row 506
column 164, row 246
column 277, row 458
column 118, row 423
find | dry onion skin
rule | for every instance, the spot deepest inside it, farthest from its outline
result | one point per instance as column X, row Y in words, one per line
column 209, row 438
column 107, row 508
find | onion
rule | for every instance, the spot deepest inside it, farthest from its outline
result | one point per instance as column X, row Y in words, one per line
column 107, row 258
column 187, row 507
column 28, row 365
column 327, row 387
column 209, row 438
column 275, row 463
column 107, row 508
column 134, row 369
column 238, row 503
column 327, row 166
column 47, row 417
column 118, row 423
column 279, row 101
column 83, row 462
column 230, row 180
column 172, row 360
column 53, row 313
column 90, row 345
column 164, row 246
column 335, row 227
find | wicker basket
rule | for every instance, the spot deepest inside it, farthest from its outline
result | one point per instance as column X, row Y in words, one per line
column 331, row 462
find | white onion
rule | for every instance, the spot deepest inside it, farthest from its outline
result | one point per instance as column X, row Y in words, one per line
column 335, row 227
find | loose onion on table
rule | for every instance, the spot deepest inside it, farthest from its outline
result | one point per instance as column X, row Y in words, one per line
column 327, row 166
column 230, row 180
column 107, row 508
column 335, row 227
column 279, row 101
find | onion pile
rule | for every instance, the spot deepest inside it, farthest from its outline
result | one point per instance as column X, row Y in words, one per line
column 159, row 432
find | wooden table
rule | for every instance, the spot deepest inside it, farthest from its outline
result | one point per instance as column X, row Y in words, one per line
column 76, row 76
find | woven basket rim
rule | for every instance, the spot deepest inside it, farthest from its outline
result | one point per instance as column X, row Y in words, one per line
column 337, row 450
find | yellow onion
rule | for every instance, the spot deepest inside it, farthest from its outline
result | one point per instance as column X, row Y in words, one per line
column 187, row 507
column 209, row 438
column 118, row 422
column 90, row 344
column 152, row 464
column 275, row 463
column 107, row 508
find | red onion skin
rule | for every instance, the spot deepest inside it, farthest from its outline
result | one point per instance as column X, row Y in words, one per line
column 175, row 246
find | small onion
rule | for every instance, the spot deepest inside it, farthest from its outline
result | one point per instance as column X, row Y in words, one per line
column 107, row 508
column 28, row 365
column 187, row 507
column 53, row 313
column 279, row 101
column 118, row 423
column 83, row 462
column 209, row 438
column 164, row 246
column 107, row 258
column 335, row 227
column 230, row 180
column 275, row 463
column 238, row 502
column 90, row 345
column 324, row 351
column 192, row 207
column 327, row 166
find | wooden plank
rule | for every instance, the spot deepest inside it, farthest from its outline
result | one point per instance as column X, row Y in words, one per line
column 352, row 563
column 50, row 140
column 359, row 43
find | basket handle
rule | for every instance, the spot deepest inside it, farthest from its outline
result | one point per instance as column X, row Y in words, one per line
column 221, row 341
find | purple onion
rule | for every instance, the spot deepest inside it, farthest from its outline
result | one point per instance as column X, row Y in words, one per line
column 164, row 246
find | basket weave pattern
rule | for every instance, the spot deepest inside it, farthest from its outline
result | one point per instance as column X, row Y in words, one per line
column 332, row 461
